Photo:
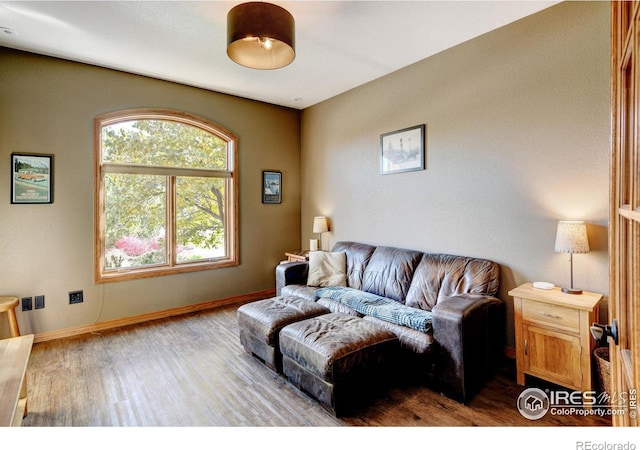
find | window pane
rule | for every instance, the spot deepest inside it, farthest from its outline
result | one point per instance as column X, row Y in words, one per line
column 200, row 209
column 135, row 220
column 163, row 143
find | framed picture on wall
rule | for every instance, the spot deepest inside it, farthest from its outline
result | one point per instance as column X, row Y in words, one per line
column 31, row 178
column 271, row 186
column 402, row 150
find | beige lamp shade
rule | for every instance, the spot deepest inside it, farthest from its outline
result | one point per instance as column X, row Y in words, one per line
column 260, row 35
column 320, row 224
column 572, row 237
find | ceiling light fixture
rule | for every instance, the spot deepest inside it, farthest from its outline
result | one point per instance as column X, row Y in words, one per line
column 260, row 35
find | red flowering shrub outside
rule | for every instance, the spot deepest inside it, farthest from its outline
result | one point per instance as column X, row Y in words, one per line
column 134, row 246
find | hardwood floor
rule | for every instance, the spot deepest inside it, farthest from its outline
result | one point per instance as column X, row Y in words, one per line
column 192, row 371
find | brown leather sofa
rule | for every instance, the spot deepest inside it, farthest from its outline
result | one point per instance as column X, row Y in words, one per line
column 465, row 343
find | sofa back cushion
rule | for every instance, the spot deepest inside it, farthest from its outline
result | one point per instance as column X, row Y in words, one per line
column 438, row 276
column 357, row 259
column 390, row 271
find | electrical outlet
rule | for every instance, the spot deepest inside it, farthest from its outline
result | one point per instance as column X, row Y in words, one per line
column 39, row 301
column 27, row 304
column 75, row 297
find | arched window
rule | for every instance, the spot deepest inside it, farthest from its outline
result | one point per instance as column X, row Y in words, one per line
column 165, row 197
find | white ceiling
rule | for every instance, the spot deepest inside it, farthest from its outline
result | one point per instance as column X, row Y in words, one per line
column 339, row 44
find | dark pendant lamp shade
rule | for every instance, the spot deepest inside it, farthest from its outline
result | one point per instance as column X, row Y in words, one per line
column 260, row 35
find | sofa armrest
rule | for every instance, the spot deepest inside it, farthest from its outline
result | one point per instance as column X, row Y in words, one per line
column 291, row 273
column 468, row 330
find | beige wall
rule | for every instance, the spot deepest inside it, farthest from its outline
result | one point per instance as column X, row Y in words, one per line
column 47, row 106
column 517, row 138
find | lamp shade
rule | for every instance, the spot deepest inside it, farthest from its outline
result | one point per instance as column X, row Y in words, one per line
column 572, row 237
column 260, row 35
column 320, row 224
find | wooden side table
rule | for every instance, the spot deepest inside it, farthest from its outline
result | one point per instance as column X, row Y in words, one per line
column 553, row 341
column 300, row 256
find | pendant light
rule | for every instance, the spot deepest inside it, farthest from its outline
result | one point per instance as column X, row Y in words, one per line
column 260, row 35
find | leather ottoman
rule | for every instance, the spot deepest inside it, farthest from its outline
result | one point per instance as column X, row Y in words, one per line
column 337, row 358
column 260, row 323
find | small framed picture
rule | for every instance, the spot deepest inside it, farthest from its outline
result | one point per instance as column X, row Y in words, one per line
column 31, row 178
column 271, row 186
column 402, row 150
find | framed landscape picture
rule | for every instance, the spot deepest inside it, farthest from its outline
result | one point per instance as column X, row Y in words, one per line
column 31, row 178
column 402, row 150
column 271, row 186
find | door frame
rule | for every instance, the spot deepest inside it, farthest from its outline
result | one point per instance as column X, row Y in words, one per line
column 624, row 226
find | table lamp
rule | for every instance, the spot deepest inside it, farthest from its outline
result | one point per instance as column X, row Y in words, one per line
column 571, row 238
column 320, row 225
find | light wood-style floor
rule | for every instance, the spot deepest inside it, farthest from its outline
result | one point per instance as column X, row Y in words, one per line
column 192, row 371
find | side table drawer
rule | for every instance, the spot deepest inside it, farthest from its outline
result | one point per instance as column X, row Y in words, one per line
column 551, row 315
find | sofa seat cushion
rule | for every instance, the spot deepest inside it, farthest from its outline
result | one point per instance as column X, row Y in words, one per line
column 380, row 307
column 412, row 341
column 336, row 306
column 300, row 290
